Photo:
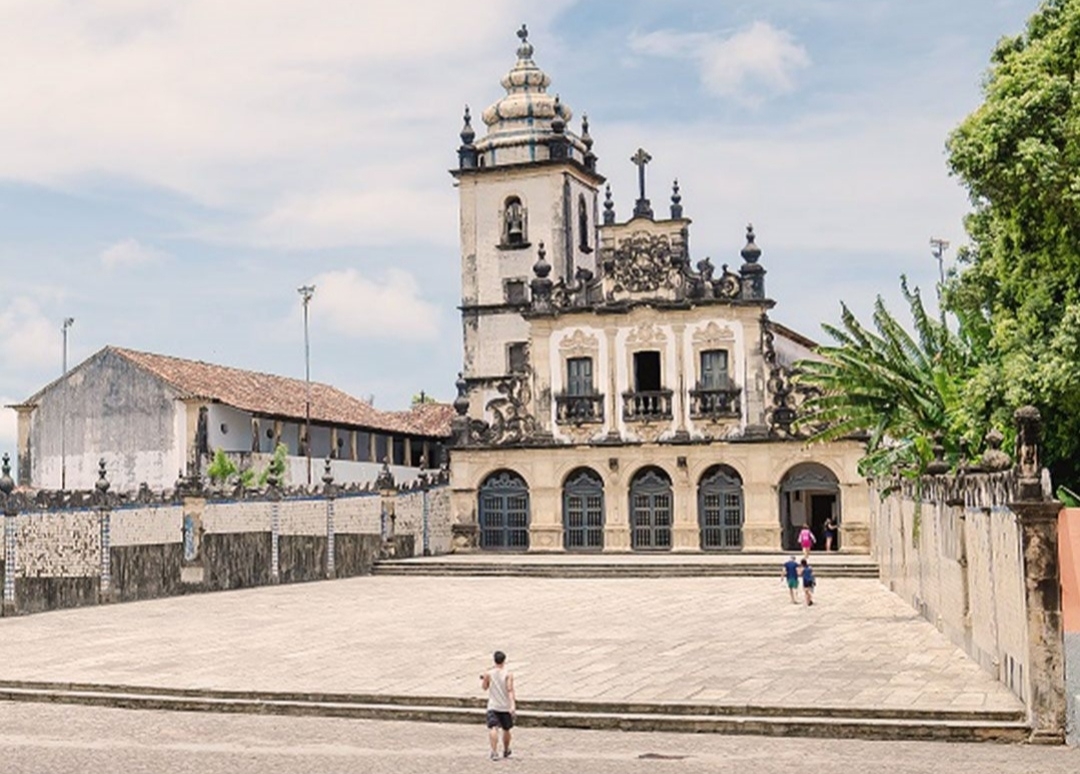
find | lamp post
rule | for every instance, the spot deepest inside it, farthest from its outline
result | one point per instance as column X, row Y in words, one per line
column 306, row 292
column 68, row 322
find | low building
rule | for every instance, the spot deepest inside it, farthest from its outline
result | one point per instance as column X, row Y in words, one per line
column 155, row 418
column 615, row 394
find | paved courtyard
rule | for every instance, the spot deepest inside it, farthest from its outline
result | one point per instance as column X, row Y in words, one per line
column 712, row 641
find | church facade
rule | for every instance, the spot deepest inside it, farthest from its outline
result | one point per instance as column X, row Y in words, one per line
column 615, row 394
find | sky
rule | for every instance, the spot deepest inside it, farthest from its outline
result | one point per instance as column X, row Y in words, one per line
column 171, row 173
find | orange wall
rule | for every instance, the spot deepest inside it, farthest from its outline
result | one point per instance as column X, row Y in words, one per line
column 1069, row 536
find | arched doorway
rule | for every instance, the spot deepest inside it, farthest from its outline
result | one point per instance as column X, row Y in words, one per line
column 809, row 494
column 720, row 509
column 504, row 512
column 583, row 511
column 650, row 510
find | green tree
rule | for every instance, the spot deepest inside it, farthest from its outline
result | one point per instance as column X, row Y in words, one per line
column 900, row 390
column 1018, row 155
column 221, row 468
column 420, row 398
column 276, row 466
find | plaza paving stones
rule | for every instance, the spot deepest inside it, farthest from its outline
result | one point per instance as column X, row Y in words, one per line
column 696, row 642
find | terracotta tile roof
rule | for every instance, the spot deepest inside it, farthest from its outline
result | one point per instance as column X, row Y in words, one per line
column 280, row 396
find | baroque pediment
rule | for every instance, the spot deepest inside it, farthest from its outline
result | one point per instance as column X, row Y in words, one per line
column 579, row 344
column 647, row 334
column 714, row 336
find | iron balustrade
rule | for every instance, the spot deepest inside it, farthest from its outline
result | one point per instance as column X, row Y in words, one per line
column 576, row 409
column 647, row 405
column 715, row 403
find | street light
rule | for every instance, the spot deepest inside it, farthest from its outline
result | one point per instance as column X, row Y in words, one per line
column 68, row 322
column 306, row 292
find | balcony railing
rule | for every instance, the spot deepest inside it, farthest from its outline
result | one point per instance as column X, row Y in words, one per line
column 715, row 403
column 579, row 409
column 647, row 405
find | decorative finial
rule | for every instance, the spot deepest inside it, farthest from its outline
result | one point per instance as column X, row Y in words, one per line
column 467, row 133
column 461, row 402
column 642, row 207
column 609, row 206
column 525, row 50
column 751, row 252
column 102, row 484
column 676, row 199
column 586, row 138
column 558, row 123
column 541, row 268
column 7, row 485
column 328, row 475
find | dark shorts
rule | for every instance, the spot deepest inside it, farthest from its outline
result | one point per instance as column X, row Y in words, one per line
column 496, row 719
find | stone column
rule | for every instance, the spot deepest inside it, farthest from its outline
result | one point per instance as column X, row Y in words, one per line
column 104, row 509
column 1038, row 519
column 10, row 506
column 330, row 492
column 273, row 494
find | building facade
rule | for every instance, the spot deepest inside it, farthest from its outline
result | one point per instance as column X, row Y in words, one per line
column 155, row 418
column 616, row 395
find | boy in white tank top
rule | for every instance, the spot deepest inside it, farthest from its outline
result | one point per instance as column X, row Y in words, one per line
column 501, row 705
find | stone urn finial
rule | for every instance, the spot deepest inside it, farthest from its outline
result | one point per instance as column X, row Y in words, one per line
column 938, row 466
column 7, row 484
column 994, row 460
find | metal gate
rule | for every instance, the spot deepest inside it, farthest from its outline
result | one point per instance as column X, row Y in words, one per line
column 504, row 512
column 720, row 510
column 650, row 511
column 583, row 512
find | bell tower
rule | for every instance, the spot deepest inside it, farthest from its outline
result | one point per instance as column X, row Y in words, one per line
column 528, row 181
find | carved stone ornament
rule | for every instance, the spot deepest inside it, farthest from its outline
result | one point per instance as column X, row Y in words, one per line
column 785, row 394
column 646, row 335
column 642, row 263
column 712, row 336
column 579, row 344
column 511, row 421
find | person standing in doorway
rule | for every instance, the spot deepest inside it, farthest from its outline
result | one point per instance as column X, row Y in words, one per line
column 806, row 540
column 830, row 534
column 808, row 582
column 791, row 577
column 501, row 705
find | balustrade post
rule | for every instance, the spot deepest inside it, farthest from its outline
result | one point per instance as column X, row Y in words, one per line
column 104, row 509
column 330, row 492
column 10, row 503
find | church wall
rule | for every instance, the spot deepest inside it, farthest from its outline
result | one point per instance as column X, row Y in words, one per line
column 761, row 466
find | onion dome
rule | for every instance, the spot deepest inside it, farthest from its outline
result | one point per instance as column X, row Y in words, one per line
column 520, row 125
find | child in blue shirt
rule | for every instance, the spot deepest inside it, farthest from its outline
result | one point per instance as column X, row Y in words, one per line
column 791, row 575
column 808, row 582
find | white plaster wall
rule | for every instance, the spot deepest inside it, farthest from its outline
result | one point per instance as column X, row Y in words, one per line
column 228, row 429
column 346, row 472
column 494, row 333
column 789, row 351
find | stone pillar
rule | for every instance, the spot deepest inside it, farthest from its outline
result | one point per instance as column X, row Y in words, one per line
column 1038, row 520
column 387, row 509
column 194, row 502
column 273, row 494
column 10, row 506
column 104, row 509
column 26, row 459
column 330, row 491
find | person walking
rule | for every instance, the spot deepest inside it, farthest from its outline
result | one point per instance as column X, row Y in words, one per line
column 808, row 582
column 806, row 540
column 791, row 576
column 501, row 704
column 830, row 534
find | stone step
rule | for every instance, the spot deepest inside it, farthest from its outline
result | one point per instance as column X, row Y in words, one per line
column 835, row 722
column 627, row 570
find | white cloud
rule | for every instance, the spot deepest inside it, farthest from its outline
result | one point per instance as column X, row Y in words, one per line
column 8, row 429
column 28, row 339
column 129, row 252
column 749, row 65
column 243, row 106
column 361, row 307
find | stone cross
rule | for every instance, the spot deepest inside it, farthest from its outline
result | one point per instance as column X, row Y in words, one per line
column 640, row 159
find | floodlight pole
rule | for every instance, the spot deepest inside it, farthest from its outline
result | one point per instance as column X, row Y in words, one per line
column 68, row 322
column 306, row 292
column 937, row 249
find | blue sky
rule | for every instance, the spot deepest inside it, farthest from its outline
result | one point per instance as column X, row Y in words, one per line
column 172, row 172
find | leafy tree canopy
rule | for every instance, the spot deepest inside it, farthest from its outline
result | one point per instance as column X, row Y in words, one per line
column 1019, row 156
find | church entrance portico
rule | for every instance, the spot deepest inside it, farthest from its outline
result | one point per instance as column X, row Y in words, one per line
column 504, row 512
column 720, row 509
column 651, row 510
column 809, row 494
column 583, row 511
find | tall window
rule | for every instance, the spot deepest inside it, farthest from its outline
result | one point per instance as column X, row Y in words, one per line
column 514, row 223
column 646, row 371
column 714, row 369
column 583, row 225
column 579, row 376
column 517, row 357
